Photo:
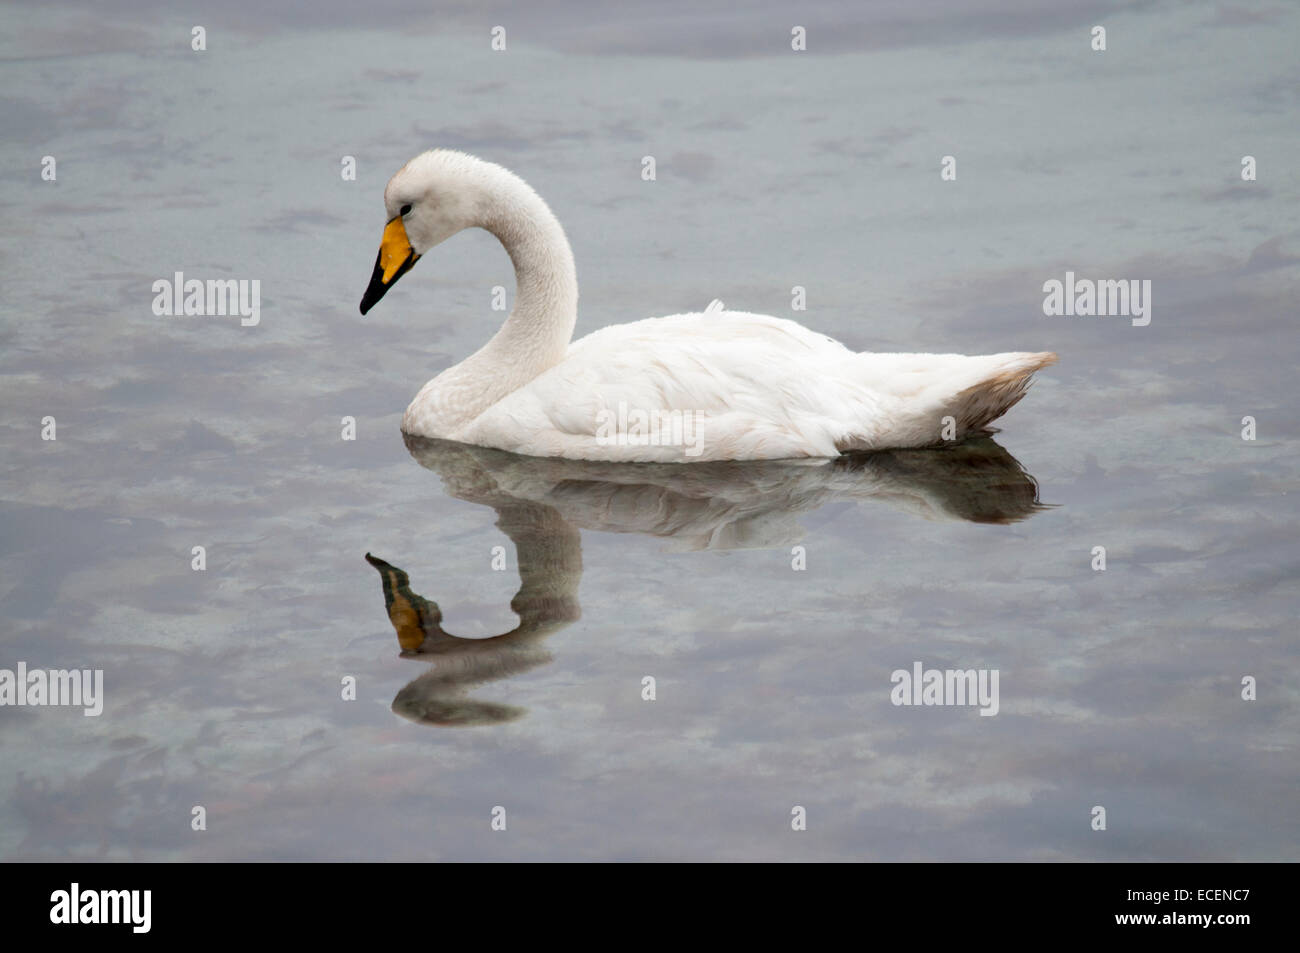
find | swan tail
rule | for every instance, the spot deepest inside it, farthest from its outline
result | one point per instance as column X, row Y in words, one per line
column 942, row 398
column 976, row 406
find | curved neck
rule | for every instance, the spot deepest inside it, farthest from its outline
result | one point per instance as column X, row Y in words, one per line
column 536, row 335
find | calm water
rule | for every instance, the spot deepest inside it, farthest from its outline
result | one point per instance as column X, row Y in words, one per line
column 224, row 687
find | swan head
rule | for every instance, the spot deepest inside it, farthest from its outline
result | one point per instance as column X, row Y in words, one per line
column 431, row 198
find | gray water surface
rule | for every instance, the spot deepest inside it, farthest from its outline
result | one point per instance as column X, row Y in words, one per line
column 775, row 169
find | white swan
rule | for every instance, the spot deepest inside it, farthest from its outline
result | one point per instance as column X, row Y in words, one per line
column 722, row 385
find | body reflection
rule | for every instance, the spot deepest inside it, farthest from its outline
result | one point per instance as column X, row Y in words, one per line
column 541, row 504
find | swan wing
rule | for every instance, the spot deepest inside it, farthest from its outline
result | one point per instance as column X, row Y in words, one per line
column 750, row 386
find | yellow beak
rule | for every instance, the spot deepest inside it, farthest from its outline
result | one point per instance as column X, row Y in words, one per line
column 394, row 260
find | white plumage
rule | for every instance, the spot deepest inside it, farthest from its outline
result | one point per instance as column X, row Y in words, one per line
column 717, row 385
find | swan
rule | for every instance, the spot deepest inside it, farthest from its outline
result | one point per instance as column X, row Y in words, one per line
column 712, row 386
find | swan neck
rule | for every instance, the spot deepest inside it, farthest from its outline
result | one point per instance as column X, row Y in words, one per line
column 537, row 333
column 534, row 338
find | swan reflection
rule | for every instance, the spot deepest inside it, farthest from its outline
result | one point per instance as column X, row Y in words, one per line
column 542, row 503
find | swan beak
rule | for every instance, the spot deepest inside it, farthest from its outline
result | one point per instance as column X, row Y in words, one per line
column 394, row 260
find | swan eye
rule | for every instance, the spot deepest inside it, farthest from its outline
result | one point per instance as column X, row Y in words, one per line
column 404, row 209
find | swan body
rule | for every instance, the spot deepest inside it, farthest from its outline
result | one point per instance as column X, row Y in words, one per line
column 717, row 385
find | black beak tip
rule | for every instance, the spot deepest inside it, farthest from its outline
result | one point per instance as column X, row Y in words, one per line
column 375, row 290
column 373, row 293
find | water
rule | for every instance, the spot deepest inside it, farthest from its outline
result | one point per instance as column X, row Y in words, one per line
column 224, row 687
